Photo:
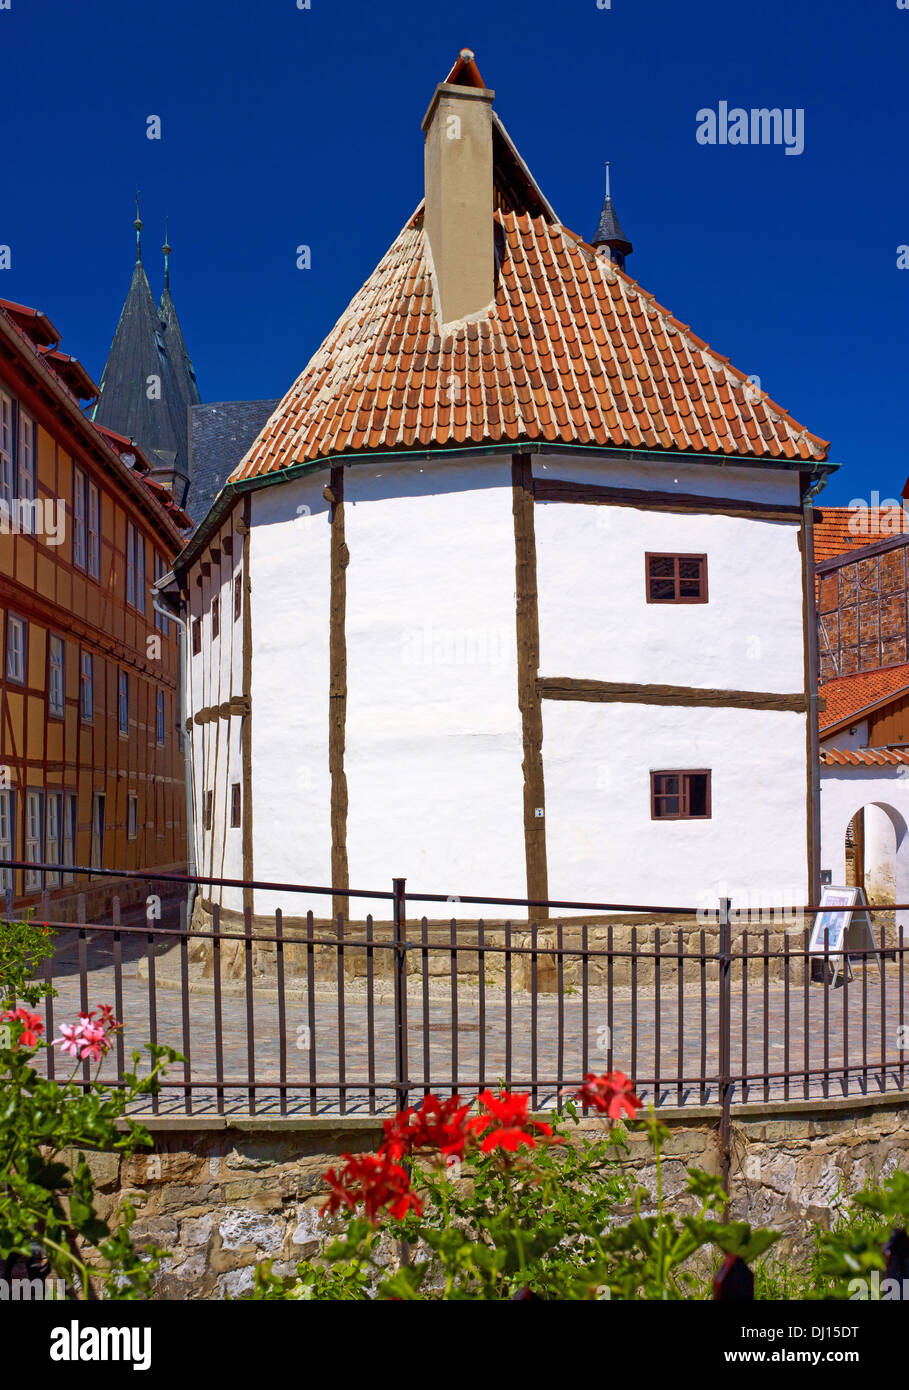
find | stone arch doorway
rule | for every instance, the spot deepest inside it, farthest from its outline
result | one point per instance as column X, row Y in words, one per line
column 877, row 855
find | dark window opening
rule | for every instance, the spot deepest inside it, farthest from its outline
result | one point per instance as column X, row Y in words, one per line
column 197, row 636
column 680, row 795
column 235, row 804
column 676, row 578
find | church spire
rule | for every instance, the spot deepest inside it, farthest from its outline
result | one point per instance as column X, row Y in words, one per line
column 138, row 224
column 166, row 248
column 609, row 231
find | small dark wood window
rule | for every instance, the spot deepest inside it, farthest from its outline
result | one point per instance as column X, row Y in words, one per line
column 209, row 808
column 676, row 578
column 197, row 636
column 235, row 803
column 215, row 617
column 680, row 795
column 238, row 596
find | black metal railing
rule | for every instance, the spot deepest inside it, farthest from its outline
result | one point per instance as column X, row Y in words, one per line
column 327, row 1015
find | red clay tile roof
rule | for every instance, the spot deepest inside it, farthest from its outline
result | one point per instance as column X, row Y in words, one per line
column 833, row 537
column 848, row 697
column 572, row 351
column 864, row 757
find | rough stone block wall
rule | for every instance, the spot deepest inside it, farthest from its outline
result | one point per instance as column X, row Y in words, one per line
column 226, row 1196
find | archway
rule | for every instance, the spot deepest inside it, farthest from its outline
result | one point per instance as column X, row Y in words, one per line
column 876, row 853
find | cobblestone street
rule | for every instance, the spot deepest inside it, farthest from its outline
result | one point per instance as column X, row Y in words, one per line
column 623, row 1032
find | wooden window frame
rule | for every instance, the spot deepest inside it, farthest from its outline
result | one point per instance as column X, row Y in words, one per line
column 26, row 473
column 675, row 556
column 197, row 636
column 23, row 624
column 56, row 711
column 683, row 773
column 53, row 799
column 8, row 842
column 7, row 450
column 86, row 682
column 80, row 519
column 93, row 530
column 236, row 818
column 123, row 703
column 33, row 877
column 215, row 617
column 238, row 596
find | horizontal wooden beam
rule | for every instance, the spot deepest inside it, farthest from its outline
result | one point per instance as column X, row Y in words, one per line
column 621, row 692
column 599, row 494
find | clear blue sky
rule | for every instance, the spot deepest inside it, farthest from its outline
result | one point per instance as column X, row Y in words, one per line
column 284, row 126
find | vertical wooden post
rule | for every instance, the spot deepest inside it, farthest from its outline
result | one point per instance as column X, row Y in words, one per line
column 527, row 625
column 337, row 693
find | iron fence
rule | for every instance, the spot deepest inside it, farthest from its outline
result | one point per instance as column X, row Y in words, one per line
column 312, row 1015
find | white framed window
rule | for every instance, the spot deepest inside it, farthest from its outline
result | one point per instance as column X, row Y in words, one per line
column 123, row 703
column 135, row 567
column 70, row 811
column 15, row 648
column 94, row 531
column 161, row 623
column 159, row 716
column 132, row 816
column 7, row 461
column 52, row 838
column 86, row 686
column 79, row 550
column 56, row 686
column 34, row 837
column 7, row 835
column 98, row 830
column 26, row 483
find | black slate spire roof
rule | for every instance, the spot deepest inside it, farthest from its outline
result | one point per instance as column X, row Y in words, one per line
column 609, row 231
column 155, row 413
column 180, row 359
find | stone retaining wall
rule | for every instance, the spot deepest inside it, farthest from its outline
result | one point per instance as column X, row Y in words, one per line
column 610, row 937
column 223, row 1193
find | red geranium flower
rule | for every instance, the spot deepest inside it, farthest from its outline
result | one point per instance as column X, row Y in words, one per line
column 505, row 1124
column 31, row 1025
column 437, row 1125
column 611, row 1094
column 373, row 1182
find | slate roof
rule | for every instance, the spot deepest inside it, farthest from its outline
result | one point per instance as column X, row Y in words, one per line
column 571, row 351
column 220, row 434
column 137, row 352
column 180, row 361
column 850, row 698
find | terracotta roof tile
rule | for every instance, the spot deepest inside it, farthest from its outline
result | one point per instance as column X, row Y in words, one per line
column 833, row 536
column 864, row 757
column 570, row 339
column 848, row 696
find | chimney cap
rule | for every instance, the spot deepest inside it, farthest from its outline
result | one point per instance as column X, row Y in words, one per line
column 465, row 72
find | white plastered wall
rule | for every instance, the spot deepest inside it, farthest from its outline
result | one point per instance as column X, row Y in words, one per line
column 884, row 792
column 434, row 742
column 603, row 845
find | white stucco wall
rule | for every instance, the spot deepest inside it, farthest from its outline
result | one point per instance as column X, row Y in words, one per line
column 433, row 739
column 595, row 620
column 846, row 739
column 289, row 574
column 603, row 844
column 884, row 792
column 434, row 743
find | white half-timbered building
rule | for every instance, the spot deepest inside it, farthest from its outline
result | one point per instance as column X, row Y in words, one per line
column 509, row 596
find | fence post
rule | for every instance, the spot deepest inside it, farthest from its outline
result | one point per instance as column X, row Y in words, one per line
column 399, row 956
column 725, row 1037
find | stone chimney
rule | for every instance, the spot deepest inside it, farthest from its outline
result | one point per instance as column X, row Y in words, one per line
column 457, row 161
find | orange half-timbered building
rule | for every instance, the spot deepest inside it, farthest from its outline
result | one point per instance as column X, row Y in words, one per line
column 91, row 756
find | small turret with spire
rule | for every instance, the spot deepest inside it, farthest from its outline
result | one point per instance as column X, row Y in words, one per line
column 609, row 231
column 138, row 224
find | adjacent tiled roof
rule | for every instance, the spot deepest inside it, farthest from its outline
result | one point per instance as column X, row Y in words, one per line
column 832, row 534
column 864, row 757
column 572, row 351
column 849, row 697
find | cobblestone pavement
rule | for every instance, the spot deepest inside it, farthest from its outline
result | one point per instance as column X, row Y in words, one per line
column 863, row 1027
